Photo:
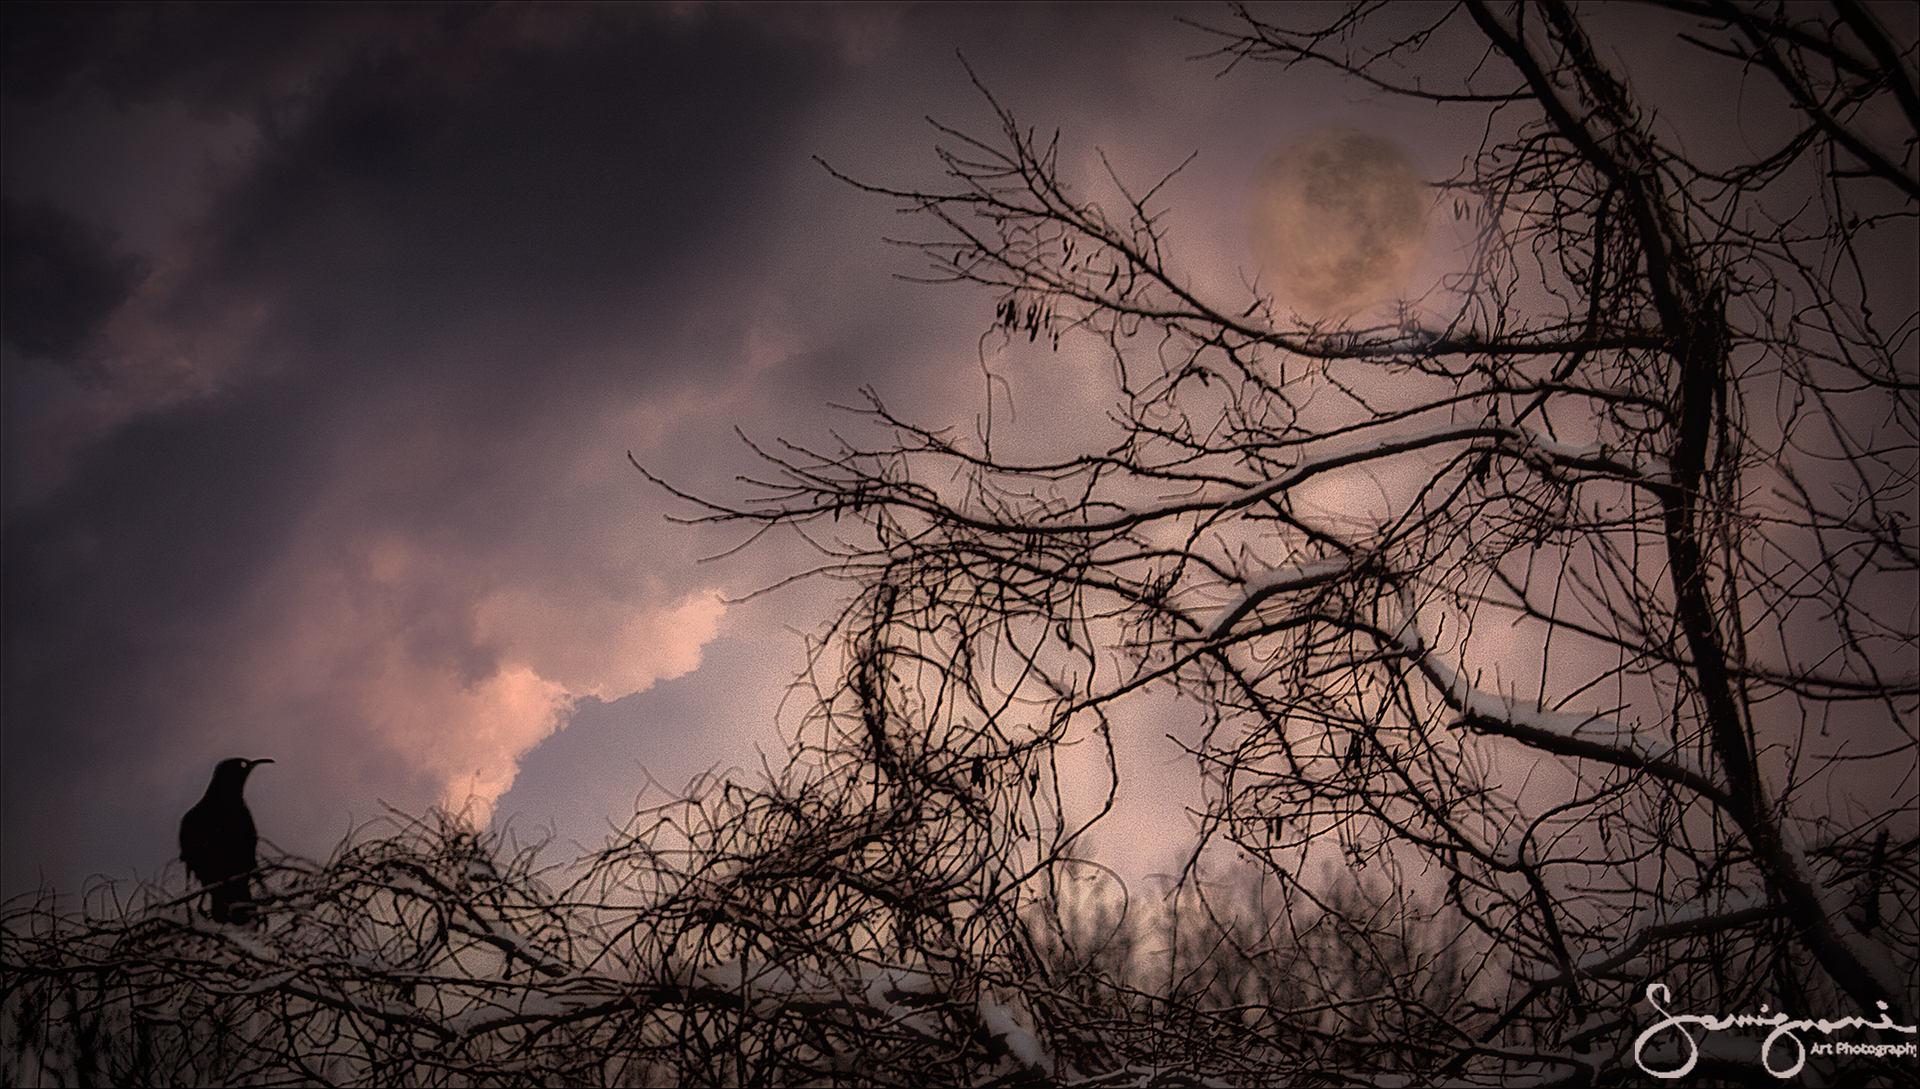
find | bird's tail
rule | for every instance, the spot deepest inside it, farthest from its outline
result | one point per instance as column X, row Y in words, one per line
column 232, row 901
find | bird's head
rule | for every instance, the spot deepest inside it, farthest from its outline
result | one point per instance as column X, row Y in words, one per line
column 234, row 769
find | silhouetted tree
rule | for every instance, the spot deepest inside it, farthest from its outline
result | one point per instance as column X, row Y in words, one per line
column 1617, row 646
column 1610, row 686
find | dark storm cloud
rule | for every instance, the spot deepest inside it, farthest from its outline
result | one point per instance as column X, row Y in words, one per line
column 215, row 57
column 343, row 403
column 62, row 277
column 347, row 484
column 532, row 202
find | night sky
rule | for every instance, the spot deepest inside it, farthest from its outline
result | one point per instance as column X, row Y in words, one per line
column 329, row 329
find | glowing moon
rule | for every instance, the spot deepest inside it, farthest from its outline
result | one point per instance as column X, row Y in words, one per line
column 1339, row 218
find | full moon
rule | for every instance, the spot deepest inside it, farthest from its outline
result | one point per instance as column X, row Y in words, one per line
column 1339, row 218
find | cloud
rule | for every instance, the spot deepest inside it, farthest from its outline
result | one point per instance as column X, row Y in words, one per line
column 347, row 486
column 62, row 277
column 599, row 648
column 394, row 650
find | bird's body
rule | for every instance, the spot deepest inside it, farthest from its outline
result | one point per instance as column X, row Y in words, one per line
column 217, row 840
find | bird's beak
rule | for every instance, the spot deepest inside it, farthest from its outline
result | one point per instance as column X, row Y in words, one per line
column 256, row 763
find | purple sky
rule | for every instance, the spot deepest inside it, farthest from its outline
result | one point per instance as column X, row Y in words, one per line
column 329, row 330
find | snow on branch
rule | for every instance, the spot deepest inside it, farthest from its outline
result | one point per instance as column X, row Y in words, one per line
column 1589, row 737
column 1653, row 926
column 1873, row 955
column 1523, row 443
column 1280, row 580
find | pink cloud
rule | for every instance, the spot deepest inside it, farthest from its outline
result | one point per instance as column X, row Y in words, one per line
column 445, row 669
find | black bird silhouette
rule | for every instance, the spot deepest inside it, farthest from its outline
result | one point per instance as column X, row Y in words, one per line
column 217, row 840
